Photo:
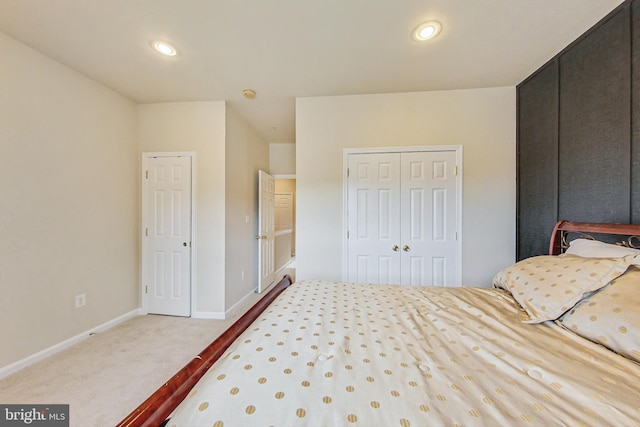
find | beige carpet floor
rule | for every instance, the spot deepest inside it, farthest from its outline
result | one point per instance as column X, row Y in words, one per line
column 106, row 376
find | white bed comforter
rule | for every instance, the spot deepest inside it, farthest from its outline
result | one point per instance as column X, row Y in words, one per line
column 337, row 354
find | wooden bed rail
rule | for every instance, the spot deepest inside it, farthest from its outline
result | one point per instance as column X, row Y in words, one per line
column 155, row 410
column 556, row 245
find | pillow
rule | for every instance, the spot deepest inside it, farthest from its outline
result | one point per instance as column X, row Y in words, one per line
column 596, row 249
column 611, row 316
column 548, row 286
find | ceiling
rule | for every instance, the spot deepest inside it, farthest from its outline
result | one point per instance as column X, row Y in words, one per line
column 284, row 49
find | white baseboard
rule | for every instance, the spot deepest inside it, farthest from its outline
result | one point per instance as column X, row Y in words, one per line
column 5, row 371
column 285, row 266
column 222, row 315
column 216, row 315
column 237, row 305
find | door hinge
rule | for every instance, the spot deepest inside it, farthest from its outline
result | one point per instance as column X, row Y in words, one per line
column 146, row 232
column 455, row 236
column 347, row 172
column 455, row 170
column 146, row 174
column 146, row 289
column 347, row 234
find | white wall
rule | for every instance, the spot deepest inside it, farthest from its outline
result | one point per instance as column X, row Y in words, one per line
column 481, row 120
column 199, row 127
column 69, row 219
column 282, row 159
column 246, row 153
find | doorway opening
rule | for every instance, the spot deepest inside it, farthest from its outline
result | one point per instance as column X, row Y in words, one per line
column 285, row 226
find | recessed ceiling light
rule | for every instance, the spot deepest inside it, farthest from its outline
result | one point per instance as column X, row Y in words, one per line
column 427, row 30
column 164, row 48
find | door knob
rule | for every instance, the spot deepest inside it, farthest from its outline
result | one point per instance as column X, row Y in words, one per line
column 184, row 244
column 406, row 248
column 261, row 237
column 395, row 248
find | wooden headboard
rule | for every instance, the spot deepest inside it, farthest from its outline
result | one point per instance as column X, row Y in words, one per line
column 627, row 234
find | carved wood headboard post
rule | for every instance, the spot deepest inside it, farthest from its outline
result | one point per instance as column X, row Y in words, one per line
column 555, row 245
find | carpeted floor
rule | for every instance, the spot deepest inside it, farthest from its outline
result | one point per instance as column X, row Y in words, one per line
column 106, row 376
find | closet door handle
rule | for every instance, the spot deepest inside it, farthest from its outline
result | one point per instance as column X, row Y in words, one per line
column 395, row 248
column 406, row 248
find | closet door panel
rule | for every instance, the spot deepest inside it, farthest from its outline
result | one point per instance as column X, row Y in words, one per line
column 537, row 161
column 374, row 218
column 428, row 220
column 595, row 100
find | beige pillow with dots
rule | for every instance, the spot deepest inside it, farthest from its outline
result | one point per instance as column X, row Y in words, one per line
column 611, row 316
column 548, row 286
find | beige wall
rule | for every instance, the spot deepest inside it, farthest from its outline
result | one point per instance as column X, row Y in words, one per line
column 481, row 120
column 199, row 127
column 69, row 219
column 246, row 154
column 282, row 159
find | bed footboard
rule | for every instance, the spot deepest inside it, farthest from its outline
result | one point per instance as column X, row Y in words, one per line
column 155, row 410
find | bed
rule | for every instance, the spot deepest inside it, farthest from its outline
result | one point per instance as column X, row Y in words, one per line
column 556, row 341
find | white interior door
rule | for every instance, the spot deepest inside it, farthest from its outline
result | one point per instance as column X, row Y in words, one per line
column 374, row 218
column 266, row 230
column 167, row 223
column 428, row 209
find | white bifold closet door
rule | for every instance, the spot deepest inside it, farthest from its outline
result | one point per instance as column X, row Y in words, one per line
column 402, row 218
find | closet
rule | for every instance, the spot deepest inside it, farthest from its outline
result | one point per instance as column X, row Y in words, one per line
column 403, row 217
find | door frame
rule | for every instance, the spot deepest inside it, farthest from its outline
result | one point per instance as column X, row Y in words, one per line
column 144, row 245
column 458, row 149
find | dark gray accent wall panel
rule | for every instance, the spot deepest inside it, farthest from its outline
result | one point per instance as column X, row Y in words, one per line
column 635, row 113
column 594, row 126
column 596, row 156
column 537, row 161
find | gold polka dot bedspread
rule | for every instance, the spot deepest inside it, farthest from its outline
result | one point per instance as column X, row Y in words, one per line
column 342, row 354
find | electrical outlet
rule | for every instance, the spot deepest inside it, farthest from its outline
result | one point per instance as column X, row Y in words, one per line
column 81, row 300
